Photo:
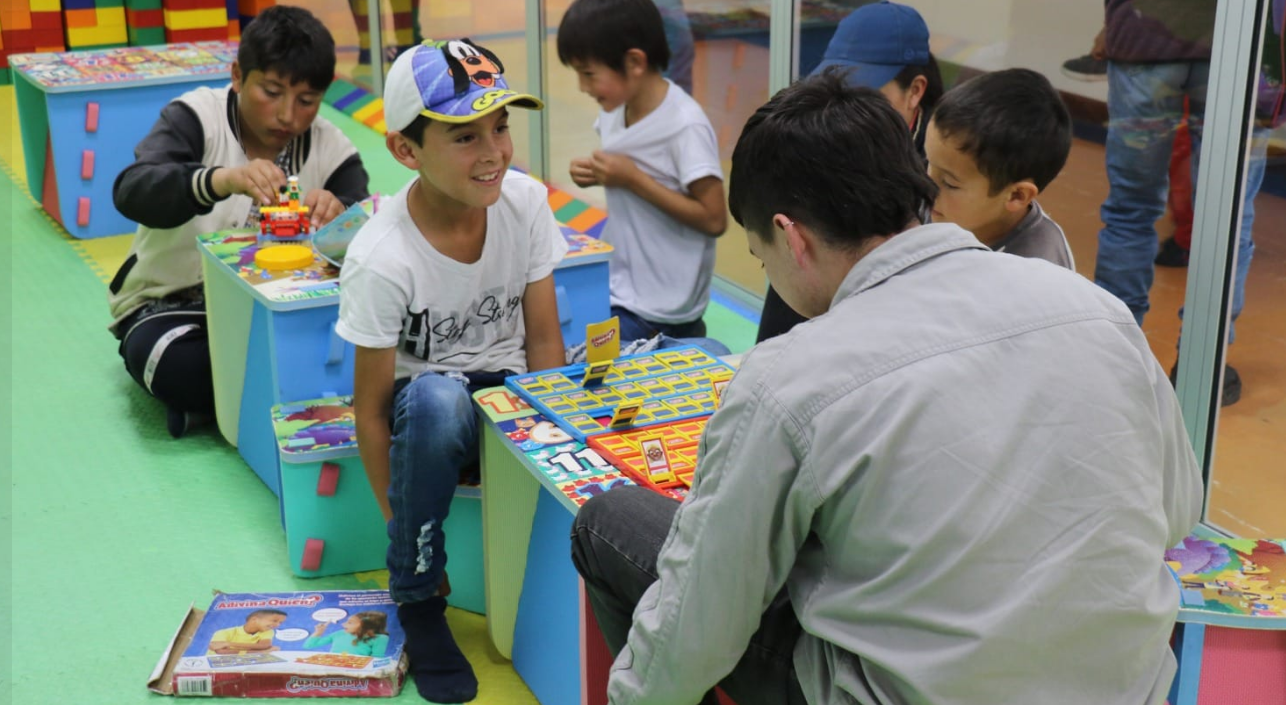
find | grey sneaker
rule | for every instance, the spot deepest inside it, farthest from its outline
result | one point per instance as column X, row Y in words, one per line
column 1085, row 68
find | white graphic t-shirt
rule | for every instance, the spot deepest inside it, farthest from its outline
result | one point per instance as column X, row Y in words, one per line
column 444, row 315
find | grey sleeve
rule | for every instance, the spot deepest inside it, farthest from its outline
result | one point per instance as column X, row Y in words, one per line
column 349, row 182
column 732, row 545
column 167, row 185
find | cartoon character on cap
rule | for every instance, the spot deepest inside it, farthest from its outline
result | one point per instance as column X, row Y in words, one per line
column 467, row 62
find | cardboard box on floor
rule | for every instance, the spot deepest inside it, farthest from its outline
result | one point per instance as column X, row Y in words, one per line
column 286, row 645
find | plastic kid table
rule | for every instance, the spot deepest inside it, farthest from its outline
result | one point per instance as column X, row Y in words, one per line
column 82, row 112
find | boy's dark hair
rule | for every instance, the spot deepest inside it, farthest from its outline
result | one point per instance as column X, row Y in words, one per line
column 265, row 613
column 833, row 157
column 415, row 131
column 290, row 41
column 1012, row 123
column 933, row 83
column 603, row 30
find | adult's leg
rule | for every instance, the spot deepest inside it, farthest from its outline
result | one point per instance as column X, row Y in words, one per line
column 168, row 354
column 1145, row 105
column 435, row 435
column 776, row 318
column 616, row 538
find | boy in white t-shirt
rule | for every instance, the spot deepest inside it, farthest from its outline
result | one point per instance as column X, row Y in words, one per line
column 446, row 289
column 659, row 162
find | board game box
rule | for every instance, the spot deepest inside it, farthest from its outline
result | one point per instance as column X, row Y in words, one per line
column 286, row 645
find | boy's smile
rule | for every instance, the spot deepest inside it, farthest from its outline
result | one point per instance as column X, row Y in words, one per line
column 272, row 110
column 609, row 88
column 464, row 164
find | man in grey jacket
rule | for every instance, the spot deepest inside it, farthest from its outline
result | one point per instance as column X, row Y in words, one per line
column 953, row 485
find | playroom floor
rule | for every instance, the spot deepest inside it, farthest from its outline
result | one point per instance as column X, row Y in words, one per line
column 117, row 528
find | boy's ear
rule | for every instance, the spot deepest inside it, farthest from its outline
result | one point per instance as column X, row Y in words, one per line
column 237, row 78
column 915, row 91
column 402, row 150
column 1021, row 194
column 635, row 62
column 799, row 239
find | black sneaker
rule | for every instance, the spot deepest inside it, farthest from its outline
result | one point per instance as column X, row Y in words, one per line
column 1085, row 68
column 1231, row 384
column 1172, row 254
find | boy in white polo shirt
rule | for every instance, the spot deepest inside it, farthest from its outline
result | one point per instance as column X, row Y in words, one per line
column 659, row 162
column 448, row 288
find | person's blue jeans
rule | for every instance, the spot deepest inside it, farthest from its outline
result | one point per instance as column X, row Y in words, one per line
column 635, row 327
column 1145, row 105
column 434, row 441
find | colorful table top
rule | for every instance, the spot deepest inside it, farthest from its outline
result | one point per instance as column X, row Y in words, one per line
column 310, row 431
column 1231, row 582
column 125, row 67
column 570, row 470
column 318, row 283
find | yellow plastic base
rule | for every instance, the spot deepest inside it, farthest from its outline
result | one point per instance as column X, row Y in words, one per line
column 282, row 257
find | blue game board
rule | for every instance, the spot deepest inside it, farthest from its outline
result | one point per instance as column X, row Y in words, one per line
column 672, row 384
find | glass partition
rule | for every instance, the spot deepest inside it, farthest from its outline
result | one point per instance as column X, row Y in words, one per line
column 1247, row 473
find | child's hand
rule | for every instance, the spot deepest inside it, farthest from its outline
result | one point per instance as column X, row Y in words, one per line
column 323, row 206
column 260, row 180
column 320, row 629
column 615, row 170
column 582, row 173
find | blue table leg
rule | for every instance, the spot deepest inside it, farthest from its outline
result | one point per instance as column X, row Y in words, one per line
column 546, row 649
column 1189, row 640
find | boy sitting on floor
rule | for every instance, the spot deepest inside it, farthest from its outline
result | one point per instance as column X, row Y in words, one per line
column 214, row 157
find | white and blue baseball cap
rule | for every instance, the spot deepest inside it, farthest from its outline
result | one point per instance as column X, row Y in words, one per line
column 451, row 81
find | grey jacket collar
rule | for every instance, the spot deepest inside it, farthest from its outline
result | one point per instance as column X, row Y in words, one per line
column 902, row 251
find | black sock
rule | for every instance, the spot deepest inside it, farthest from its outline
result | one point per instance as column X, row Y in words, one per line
column 442, row 674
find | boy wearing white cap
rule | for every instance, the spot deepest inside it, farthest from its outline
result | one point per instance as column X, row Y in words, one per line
column 445, row 290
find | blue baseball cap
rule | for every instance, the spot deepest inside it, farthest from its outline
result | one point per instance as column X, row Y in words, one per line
column 451, row 81
column 875, row 42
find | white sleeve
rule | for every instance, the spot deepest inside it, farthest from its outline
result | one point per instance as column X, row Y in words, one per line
column 545, row 239
column 371, row 307
column 696, row 153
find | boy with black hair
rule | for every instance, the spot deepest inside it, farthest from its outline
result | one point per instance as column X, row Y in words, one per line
column 993, row 144
column 447, row 289
column 874, row 519
column 659, row 162
column 255, row 635
column 212, row 158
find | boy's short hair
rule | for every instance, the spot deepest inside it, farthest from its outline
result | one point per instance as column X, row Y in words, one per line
column 290, row 41
column 1012, row 123
column 604, row 30
column 834, row 157
column 265, row 613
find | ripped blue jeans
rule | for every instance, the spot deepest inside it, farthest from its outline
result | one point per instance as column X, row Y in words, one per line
column 434, row 442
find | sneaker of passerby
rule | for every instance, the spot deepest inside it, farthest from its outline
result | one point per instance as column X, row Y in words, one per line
column 1085, row 68
column 1091, row 66
column 1172, row 254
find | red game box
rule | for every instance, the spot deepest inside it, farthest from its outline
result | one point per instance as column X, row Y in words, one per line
column 286, row 645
